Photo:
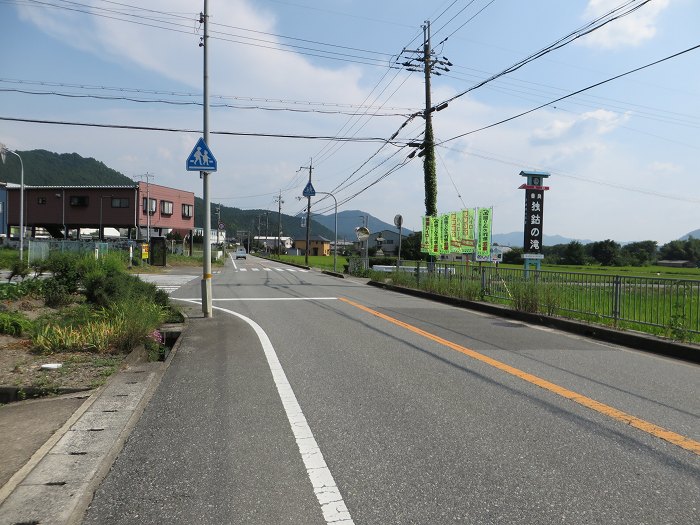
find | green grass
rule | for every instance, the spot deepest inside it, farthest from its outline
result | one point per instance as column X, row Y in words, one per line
column 315, row 261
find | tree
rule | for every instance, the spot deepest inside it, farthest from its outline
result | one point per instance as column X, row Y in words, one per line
column 410, row 247
column 688, row 250
column 574, row 253
column 514, row 256
column 605, row 252
column 673, row 251
column 639, row 253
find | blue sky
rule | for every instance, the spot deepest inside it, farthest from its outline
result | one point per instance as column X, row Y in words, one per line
column 622, row 156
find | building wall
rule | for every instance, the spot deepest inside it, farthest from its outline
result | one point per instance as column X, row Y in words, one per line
column 159, row 219
column 316, row 247
column 108, row 206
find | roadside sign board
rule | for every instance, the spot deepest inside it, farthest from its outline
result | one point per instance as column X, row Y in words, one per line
column 309, row 190
column 201, row 158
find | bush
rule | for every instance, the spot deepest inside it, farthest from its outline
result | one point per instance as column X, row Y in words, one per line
column 18, row 269
column 64, row 267
column 14, row 323
column 55, row 293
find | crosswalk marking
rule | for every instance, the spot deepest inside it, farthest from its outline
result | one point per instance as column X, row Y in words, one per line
column 300, row 270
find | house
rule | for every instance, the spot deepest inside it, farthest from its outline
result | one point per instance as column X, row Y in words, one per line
column 317, row 245
column 140, row 210
column 389, row 241
column 270, row 243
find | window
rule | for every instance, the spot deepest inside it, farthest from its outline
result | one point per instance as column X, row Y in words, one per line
column 79, row 200
column 151, row 208
column 166, row 207
column 41, row 200
column 118, row 202
column 187, row 210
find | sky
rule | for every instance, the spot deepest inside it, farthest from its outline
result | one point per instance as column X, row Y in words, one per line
column 299, row 83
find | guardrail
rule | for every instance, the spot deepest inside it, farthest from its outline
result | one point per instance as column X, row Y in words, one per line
column 664, row 306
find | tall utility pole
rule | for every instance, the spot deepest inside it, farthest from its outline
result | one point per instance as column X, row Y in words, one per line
column 206, row 266
column 279, row 224
column 429, row 174
column 218, row 221
column 308, row 218
column 428, row 63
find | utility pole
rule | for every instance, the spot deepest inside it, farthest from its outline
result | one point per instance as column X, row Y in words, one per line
column 279, row 224
column 429, row 174
column 308, row 218
column 429, row 64
column 218, row 221
column 206, row 267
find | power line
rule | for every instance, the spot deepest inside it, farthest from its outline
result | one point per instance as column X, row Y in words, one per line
column 180, row 130
column 586, row 29
column 693, row 48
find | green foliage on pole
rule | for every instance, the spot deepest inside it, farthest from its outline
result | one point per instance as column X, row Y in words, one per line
column 429, row 172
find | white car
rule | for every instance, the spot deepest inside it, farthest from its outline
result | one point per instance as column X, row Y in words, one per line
column 240, row 253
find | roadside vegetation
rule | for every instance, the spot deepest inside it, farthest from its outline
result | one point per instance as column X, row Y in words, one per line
column 82, row 312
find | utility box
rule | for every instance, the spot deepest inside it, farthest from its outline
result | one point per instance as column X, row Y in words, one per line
column 157, row 251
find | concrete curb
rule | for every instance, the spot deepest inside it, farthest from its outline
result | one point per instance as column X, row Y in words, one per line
column 636, row 340
column 57, row 484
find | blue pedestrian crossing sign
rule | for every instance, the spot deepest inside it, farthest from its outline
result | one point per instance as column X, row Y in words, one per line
column 309, row 190
column 201, row 158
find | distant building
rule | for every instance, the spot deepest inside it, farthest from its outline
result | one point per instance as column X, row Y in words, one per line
column 271, row 242
column 136, row 210
column 317, row 245
column 390, row 242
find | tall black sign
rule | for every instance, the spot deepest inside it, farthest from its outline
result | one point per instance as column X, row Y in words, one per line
column 534, row 218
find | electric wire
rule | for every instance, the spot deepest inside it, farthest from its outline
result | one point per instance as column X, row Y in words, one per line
column 688, row 50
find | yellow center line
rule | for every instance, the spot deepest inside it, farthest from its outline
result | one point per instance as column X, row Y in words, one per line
column 645, row 426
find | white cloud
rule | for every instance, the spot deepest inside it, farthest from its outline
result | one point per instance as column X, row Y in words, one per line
column 586, row 125
column 629, row 31
column 665, row 168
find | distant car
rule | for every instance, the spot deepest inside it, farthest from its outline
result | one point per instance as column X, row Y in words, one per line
column 240, row 253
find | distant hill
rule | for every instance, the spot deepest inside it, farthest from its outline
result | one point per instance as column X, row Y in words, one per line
column 348, row 220
column 515, row 239
column 44, row 168
column 695, row 234
column 260, row 222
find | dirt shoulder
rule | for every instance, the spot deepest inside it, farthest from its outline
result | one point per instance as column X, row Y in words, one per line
column 24, row 372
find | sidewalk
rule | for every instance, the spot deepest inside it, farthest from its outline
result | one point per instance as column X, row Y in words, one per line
column 56, row 451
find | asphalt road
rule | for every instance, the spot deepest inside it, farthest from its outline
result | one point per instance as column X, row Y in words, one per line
column 310, row 399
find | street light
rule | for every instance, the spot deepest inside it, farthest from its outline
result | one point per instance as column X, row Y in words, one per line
column 335, row 246
column 3, row 153
column 100, row 233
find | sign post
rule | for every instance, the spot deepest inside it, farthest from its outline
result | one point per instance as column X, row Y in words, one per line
column 534, row 217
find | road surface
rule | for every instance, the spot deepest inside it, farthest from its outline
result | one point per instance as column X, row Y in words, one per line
column 308, row 399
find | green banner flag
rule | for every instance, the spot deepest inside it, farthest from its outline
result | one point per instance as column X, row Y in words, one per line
column 426, row 234
column 435, row 235
column 483, row 245
column 455, row 232
column 468, row 231
column 444, row 233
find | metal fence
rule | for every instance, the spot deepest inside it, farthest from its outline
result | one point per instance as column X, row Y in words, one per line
column 39, row 249
column 659, row 305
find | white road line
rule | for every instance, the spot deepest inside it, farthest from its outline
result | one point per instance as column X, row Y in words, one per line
column 235, row 267
column 332, row 505
column 243, row 270
column 281, row 299
column 256, row 269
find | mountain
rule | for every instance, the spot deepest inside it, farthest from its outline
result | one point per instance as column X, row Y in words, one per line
column 348, row 220
column 44, row 168
column 515, row 239
column 695, row 234
column 260, row 222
